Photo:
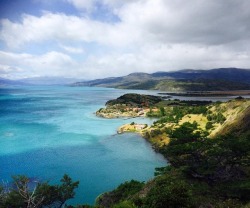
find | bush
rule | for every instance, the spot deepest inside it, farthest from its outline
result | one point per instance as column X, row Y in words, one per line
column 209, row 125
column 25, row 192
column 124, row 204
column 169, row 192
column 120, row 193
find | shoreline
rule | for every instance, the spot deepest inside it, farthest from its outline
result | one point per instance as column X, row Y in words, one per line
column 208, row 93
column 217, row 115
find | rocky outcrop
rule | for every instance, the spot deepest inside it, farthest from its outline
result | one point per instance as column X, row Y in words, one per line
column 121, row 111
column 133, row 127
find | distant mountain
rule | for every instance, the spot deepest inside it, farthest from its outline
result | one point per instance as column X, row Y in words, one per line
column 39, row 81
column 49, row 80
column 115, row 81
column 4, row 82
column 183, row 80
column 230, row 74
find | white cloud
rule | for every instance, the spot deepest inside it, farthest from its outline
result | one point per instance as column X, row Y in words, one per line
column 49, row 64
column 164, row 21
column 83, row 4
column 70, row 49
column 91, row 5
column 150, row 35
column 6, row 71
column 148, row 58
column 151, row 58
column 60, row 27
column 196, row 21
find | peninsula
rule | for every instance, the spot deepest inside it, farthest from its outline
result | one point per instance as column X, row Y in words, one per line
column 129, row 105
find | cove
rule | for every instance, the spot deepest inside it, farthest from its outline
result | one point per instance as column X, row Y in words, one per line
column 46, row 131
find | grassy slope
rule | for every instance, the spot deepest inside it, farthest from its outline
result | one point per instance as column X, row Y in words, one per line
column 237, row 114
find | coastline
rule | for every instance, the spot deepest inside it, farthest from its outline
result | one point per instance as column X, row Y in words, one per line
column 191, row 127
column 208, row 93
column 210, row 118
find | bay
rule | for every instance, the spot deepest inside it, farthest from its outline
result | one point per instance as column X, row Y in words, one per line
column 47, row 131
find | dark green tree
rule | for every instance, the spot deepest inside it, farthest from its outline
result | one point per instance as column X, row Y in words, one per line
column 28, row 193
column 209, row 125
column 162, row 111
column 220, row 159
column 121, row 193
column 169, row 192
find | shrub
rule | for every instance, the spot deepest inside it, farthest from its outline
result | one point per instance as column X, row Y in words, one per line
column 209, row 125
column 169, row 192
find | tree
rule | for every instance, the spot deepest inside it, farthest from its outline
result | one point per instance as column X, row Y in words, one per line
column 162, row 111
column 169, row 192
column 209, row 125
column 214, row 160
column 66, row 189
column 23, row 193
column 121, row 193
column 29, row 193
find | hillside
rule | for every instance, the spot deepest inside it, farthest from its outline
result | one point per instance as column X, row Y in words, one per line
column 221, row 79
column 239, row 122
column 213, row 118
column 207, row 147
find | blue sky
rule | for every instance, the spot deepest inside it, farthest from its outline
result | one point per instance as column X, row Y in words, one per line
column 90, row 39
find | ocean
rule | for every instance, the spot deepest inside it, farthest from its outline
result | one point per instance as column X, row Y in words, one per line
column 47, row 131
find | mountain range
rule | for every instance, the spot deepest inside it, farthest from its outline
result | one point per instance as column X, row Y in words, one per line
column 220, row 79
column 183, row 80
column 40, row 81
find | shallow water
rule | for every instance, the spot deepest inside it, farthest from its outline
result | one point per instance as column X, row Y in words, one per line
column 48, row 131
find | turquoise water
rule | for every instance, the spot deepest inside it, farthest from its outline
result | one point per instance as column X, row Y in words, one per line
column 48, row 131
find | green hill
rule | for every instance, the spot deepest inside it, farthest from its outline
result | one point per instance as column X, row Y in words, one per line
column 184, row 80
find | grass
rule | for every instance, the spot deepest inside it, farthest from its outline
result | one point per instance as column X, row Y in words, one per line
column 199, row 118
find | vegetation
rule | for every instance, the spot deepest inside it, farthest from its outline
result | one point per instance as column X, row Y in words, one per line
column 216, row 118
column 224, row 158
column 209, row 125
column 169, row 191
column 25, row 192
column 202, row 172
column 179, row 81
column 205, row 169
column 135, row 100
column 120, row 196
column 199, row 85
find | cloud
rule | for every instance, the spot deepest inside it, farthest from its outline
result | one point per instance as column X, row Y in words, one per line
column 6, row 71
column 70, row 49
column 91, row 5
column 83, row 4
column 149, row 36
column 151, row 58
column 204, row 22
column 61, row 28
column 196, row 21
column 50, row 64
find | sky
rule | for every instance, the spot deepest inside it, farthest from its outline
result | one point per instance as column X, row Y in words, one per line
column 89, row 39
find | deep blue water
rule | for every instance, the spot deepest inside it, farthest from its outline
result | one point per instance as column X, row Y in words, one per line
column 48, row 131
